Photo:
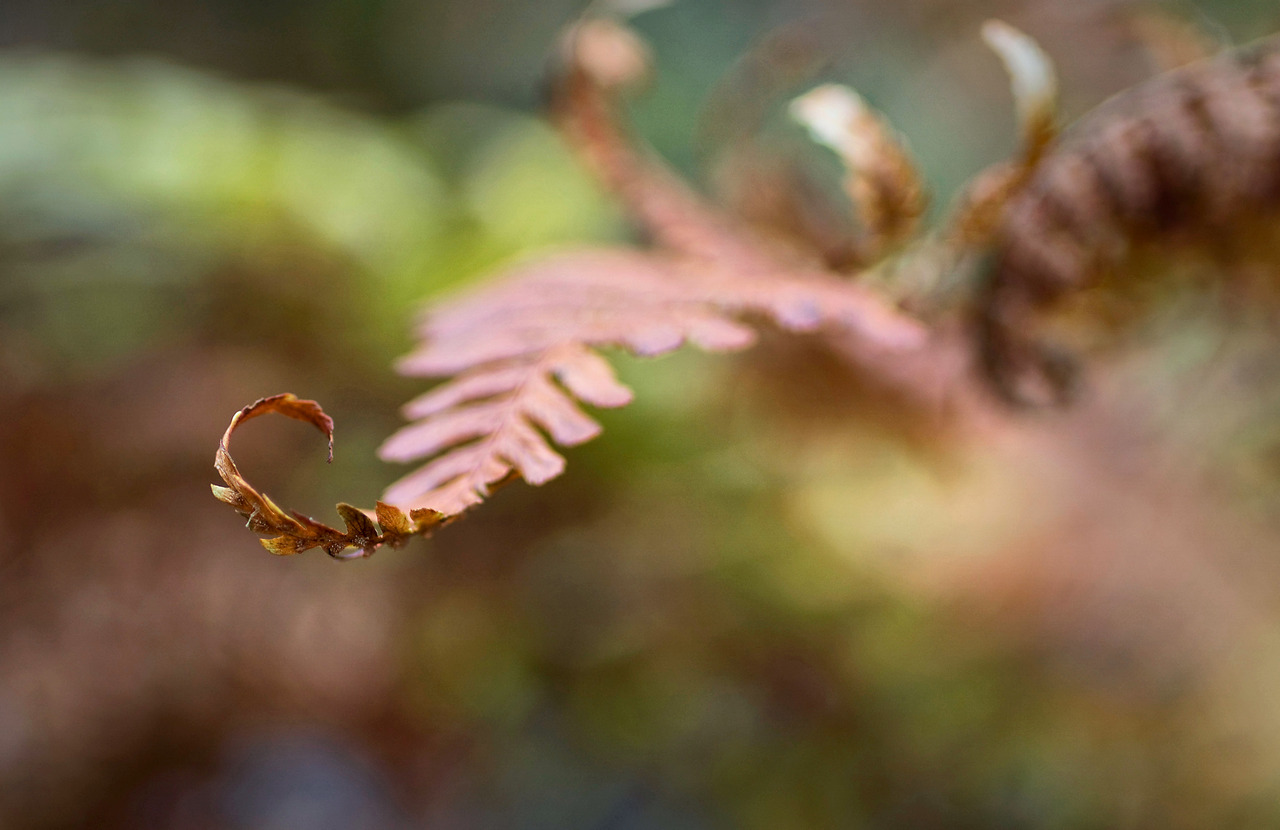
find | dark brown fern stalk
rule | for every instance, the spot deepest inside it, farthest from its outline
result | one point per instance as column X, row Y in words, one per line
column 1189, row 159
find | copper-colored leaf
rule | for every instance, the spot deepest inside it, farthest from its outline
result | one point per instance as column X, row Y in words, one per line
column 293, row 532
column 289, row 406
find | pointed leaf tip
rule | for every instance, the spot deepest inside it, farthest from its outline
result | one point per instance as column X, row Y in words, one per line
column 282, row 545
column 359, row 525
column 425, row 518
column 226, row 494
column 392, row 519
column 1032, row 77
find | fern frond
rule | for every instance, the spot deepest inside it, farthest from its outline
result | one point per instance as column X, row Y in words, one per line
column 522, row 351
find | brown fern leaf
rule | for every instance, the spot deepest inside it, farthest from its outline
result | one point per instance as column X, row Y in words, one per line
column 293, row 532
column 522, row 351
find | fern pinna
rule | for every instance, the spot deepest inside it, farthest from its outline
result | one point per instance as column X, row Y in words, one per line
column 521, row 353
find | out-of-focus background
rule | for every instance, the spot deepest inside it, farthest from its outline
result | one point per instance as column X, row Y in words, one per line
column 746, row 606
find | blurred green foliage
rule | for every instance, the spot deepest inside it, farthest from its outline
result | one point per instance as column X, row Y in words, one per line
column 127, row 185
